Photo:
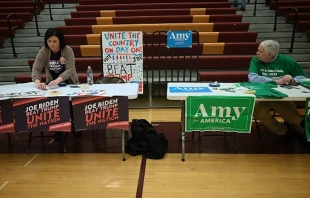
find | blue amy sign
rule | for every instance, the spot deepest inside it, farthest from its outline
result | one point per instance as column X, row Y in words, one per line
column 179, row 39
column 189, row 89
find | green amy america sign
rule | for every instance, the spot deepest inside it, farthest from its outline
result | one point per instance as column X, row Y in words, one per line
column 307, row 119
column 219, row 113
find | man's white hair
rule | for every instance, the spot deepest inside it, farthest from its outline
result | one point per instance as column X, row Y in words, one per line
column 271, row 46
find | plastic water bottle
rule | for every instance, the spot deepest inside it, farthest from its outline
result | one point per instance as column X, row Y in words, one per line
column 89, row 74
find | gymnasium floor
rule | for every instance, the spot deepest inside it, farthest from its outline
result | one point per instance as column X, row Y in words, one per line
column 262, row 168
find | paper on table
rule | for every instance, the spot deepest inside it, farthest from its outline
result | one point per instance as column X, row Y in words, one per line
column 52, row 87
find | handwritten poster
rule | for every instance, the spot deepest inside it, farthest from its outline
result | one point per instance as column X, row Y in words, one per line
column 6, row 117
column 129, row 72
column 122, row 47
column 100, row 112
column 42, row 114
column 122, row 56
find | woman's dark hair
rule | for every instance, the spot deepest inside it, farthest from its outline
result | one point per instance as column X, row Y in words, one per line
column 55, row 32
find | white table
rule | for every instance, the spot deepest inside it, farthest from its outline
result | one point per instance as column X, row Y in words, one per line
column 293, row 94
column 299, row 93
column 29, row 90
column 26, row 90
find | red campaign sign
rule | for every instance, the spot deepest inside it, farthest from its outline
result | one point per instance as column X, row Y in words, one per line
column 98, row 112
column 42, row 114
column 6, row 117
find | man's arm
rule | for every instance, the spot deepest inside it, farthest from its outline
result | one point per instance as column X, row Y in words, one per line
column 253, row 78
column 298, row 78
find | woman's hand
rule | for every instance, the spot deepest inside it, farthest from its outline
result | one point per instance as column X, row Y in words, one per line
column 40, row 85
column 55, row 82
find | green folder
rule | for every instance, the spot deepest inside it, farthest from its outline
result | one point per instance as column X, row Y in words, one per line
column 305, row 82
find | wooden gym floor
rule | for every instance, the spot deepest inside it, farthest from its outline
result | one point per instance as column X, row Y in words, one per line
column 263, row 168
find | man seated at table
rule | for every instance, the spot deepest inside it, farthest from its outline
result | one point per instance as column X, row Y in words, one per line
column 270, row 66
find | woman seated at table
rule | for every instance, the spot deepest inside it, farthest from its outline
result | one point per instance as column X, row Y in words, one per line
column 59, row 63
column 57, row 59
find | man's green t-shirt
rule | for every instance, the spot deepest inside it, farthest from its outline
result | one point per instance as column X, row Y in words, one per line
column 281, row 66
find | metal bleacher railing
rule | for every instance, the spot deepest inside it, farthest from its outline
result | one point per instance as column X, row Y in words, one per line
column 187, row 71
column 292, row 22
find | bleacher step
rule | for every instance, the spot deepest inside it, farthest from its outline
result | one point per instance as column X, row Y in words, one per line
column 5, row 69
column 20, row 50
column 45, row 25
column 10, row 55
column 270, row 26
column 296, row 45
column 14, row 62
column 262, row 19
column 278, row 34
column 9, row 77
column 306, row 52
column 29, row 33
column 46, row 17
column 8, row 44
column 280, row 40
column 59, row 6
column 57, row 11
column 305, row 64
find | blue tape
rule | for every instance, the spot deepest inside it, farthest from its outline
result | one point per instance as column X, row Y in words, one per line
column 62, row 84
column 214, row 85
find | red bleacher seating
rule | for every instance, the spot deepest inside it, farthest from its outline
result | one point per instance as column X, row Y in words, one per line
column 27, row 16
column 225, row 77
column 1, row 42
column 153, row 6
column 226, row 32
column 16, row 9
column 300, row 17
column 5, row 32
column 153, row 19
column 289, row 3
column 244, row 48
column 64, row 1
column 19, row 23
column 205, row 62
column 204, row 37
column 98, row 2
column 23, row 11
column 150, row 28
column 153, row 12
column 21, row 3
column 303, row 26
column 282, row 11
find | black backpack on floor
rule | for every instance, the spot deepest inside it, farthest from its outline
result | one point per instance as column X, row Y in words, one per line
column 145, row 140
